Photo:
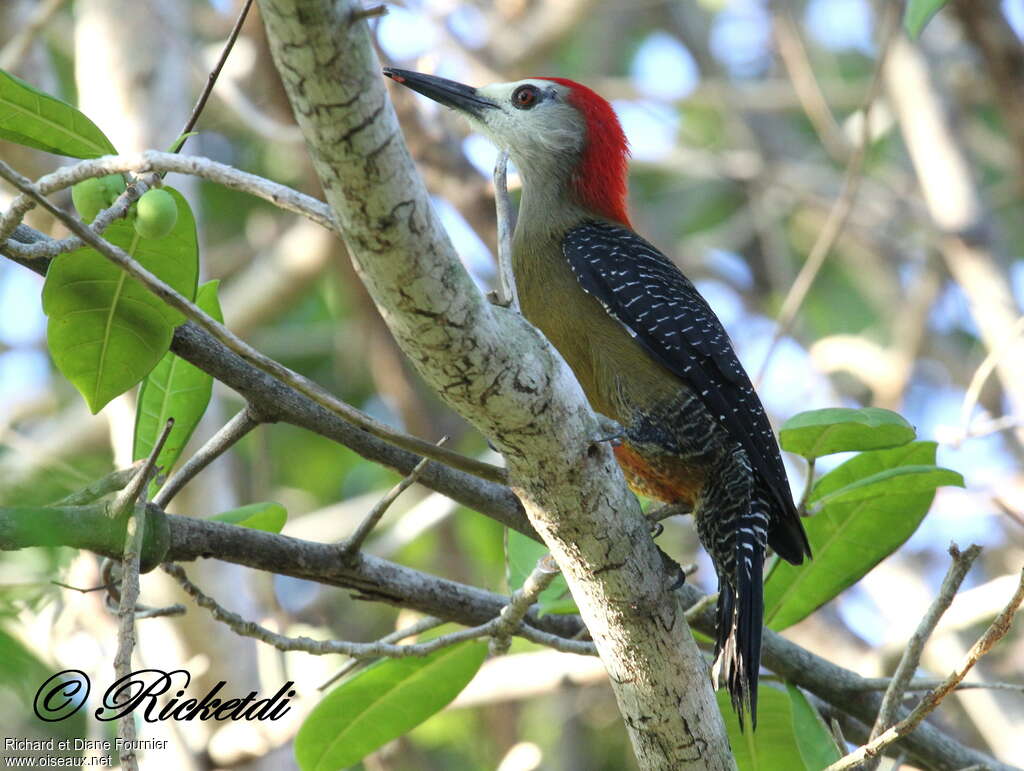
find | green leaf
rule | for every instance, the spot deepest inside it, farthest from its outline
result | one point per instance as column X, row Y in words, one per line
column 841, row 429
column 32, row 118
column 902, row 479
column 848, row 538
column 522, row 555
column 20, row 669
column 813, row 739
column 268, row 517
column 16, row 598
column 174, row 389
column 106, row 331
column 383, row 702
column 918, row 14
column 773, row 746
column 877, row 462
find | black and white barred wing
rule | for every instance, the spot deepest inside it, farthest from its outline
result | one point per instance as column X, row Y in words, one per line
column 646, row 293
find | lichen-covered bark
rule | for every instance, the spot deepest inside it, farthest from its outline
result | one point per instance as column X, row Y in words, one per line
column 499, row 373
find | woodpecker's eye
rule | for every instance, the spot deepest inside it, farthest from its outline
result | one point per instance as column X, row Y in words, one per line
column 525, row 97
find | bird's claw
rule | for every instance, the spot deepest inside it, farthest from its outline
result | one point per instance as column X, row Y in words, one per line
column 671, row 566
column 611, row 430
column 495, row 298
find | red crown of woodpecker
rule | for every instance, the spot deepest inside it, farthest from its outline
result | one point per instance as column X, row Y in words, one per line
column 600, row 177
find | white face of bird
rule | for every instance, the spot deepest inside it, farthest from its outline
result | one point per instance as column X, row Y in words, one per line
column 531, row 118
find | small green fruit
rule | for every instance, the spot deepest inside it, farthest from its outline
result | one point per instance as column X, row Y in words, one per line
column 157, row 213
column 114, row 184
column 89, row 197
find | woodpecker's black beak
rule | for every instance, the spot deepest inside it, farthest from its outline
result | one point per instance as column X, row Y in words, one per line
column 449, row 93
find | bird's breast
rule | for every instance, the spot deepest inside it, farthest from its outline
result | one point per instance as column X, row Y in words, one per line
column 617, row 374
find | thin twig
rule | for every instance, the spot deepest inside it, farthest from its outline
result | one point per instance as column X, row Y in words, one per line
column 808, row 488
column 808, row 91
column 1008, row 510
column 238, row 346
column 413, row 630
column 134, row 532
column 916, row 685
column 212, row 79
column 512, row 615
column 996, row 631
column 841, row 209
column 362, row 650
column 129, row 496
column 837, row 734
column 668, row 510
column 374, row 12
column 919, row 684
column 955, row 575
column 506, row 294
column 354, row 542
column 126, row 631
column 79, row 589
column 241, row 424
column 115, row 480
column 980, row 428
column 146, row 162
column 22, row 204
column 17, row 46
column 144, row 611
column 981, row 374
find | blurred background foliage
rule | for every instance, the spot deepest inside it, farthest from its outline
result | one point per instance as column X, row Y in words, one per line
column 743, row 117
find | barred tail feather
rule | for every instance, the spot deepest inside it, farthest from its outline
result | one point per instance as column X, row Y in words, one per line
column 740, row 619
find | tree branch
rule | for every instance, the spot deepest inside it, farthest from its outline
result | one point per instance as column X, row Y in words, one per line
column 354, row 542
column 112, row 482
column 996, row 631
column 173, row 538
column 506, row 294
column 955, row 575
column 218, row 444
column 153, row 161
column 212, row 77
column 124, row 505
column 501, row 626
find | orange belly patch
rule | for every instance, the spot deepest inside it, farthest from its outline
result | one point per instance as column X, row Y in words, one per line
column 664, row 481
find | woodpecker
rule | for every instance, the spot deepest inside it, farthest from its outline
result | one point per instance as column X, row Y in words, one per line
column 644, row 344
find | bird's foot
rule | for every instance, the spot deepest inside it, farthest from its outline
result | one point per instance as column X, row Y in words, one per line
column 655, row 516
column 611, row 430
column 496, row 298
column 673, row 570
